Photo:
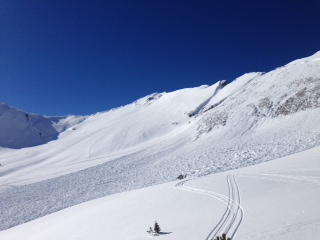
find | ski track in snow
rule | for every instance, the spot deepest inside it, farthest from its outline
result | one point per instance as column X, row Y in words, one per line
column 312, row 224
column 233, row 215
column 286, row 178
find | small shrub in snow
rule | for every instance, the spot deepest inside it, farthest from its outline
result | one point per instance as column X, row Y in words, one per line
column 155, row 231
column 181, row 176
column 157, row 228
column 223, row 237
column 150, row 231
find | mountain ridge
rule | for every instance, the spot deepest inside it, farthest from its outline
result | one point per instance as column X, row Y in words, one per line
column 37, row 129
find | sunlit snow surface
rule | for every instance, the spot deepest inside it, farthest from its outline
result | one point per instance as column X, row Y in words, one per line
column 274, row 200
column 196, row 131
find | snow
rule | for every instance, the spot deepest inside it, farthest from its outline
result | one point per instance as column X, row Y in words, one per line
column 277, row 200
column 132, row 154
column 314, row 57
column 19, row 129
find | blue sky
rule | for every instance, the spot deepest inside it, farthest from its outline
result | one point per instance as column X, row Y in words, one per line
column 81, row 57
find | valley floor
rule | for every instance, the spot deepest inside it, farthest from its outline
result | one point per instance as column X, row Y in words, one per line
column 273, row 200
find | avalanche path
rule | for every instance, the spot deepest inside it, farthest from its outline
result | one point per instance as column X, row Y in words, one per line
column 233, row 215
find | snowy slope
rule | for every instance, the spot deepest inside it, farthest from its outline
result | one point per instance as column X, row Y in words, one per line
column 20, row 129
column 284, row 91
column 276, row 200
column 196, row 131
column 114, row 133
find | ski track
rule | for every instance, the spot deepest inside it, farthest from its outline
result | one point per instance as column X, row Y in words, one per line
column 282, row 231
column 286, row 178
column 233, row 215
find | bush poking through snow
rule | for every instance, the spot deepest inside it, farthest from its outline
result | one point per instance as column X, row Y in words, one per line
column 157, row 228
column 181, row 176
column 223, row 237
column 150, row 231
column 155, row 231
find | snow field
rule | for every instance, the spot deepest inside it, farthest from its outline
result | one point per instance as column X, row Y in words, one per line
column 154, row 165
column 272, row 207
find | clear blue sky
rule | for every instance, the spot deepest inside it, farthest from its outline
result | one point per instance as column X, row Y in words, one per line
column 81, row 57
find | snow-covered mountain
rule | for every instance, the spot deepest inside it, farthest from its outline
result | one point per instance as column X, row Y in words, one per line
column 285, row 91
column 195, row 131
column 20, row 129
